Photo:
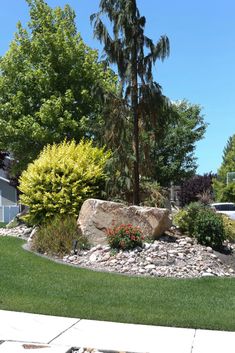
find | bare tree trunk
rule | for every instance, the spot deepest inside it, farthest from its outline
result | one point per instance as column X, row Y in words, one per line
column 134, row 105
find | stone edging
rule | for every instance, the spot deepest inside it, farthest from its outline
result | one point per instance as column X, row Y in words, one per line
column 170, row 256
column 178, row 257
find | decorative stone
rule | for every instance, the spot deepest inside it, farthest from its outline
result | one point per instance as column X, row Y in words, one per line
column 97, row 216
column 207, row 274
column 93, row 257
column 20, row 231
column 152, row 261
column 150, row 267
column 209, row 249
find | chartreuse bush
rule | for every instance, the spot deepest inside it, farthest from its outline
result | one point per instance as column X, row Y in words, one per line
column 229, row 227
column 61, row 178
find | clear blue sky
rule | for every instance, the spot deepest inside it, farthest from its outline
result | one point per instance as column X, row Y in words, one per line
column 201, row 66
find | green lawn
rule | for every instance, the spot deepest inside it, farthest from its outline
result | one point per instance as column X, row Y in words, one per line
column 33, row 284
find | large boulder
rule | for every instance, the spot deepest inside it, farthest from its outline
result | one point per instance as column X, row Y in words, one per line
column 96, row 216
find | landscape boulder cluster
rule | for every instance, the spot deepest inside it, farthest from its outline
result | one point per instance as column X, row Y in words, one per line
column 169, row 256
column 165, row 252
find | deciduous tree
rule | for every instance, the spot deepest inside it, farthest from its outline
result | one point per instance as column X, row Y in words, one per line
column 48, row 84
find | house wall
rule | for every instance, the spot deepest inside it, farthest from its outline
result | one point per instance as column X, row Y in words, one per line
column 7, row 194
column 1, row 214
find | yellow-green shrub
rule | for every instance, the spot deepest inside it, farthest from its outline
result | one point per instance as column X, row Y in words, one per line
column 229, row 227
column 181, row 220
column 62, row 177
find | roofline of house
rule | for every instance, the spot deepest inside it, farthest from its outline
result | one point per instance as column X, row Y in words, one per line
column 4, row 179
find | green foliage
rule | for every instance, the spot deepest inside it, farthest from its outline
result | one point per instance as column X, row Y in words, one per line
column 224, row 191
column 181, row 220
column 152, row 194
column 134, row 54
column 124, row 237
column 57, row 236
column 229, row 228
column 209, row 228
column 50, row 82
column 185, row 218
column 203, row 223
column 61, row 179
column 168, row 145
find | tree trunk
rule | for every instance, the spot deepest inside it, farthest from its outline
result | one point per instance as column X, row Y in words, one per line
column 134, row 105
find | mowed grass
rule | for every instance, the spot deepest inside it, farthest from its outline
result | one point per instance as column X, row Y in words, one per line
column 34, row 284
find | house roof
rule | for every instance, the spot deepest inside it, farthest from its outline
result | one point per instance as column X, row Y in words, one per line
column 4, row 179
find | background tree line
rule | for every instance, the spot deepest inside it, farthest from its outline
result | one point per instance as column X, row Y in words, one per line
column 54, row 87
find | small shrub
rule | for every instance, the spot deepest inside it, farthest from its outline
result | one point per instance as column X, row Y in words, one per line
column 185, row 218
column 209, row 228
column 125, row 237
column 181, row 220
column 13, row 223
column 152, row 194
column 193, row 210
column 61, row 179
column 56, row 237
column 229, row 228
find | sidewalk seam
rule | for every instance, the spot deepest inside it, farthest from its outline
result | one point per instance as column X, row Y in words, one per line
column 194, row 336
column 61, row 333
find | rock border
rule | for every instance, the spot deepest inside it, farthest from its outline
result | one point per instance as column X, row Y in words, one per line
column 172, row 256
column 177, row 257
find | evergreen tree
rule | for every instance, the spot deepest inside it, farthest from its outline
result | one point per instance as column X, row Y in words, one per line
column 135, row 54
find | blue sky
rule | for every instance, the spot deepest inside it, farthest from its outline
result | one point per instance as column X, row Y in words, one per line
column 201, row 66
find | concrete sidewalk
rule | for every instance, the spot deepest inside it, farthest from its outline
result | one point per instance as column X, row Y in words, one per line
column 21, row 332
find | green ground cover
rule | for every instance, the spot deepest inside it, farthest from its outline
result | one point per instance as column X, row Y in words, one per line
column 34, row 284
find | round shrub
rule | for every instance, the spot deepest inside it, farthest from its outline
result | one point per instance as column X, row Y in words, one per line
column 57, row 236
column 185, row 218
column 125, row 237
column 62, row 177
column 193, row 210
column 229, row 228
column 209, row 228
column 181, row 220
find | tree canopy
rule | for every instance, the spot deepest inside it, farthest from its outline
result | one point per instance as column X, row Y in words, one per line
column 53, row 88
column 224, row 186
column 167, row 144
column 172, row 146
column 48, row 84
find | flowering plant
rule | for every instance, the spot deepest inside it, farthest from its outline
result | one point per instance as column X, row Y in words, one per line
column 125, row 236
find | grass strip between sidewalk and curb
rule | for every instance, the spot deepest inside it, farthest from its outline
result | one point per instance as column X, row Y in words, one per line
column 34, row 284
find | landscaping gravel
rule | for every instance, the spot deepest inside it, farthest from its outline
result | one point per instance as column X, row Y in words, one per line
column 172, row 255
